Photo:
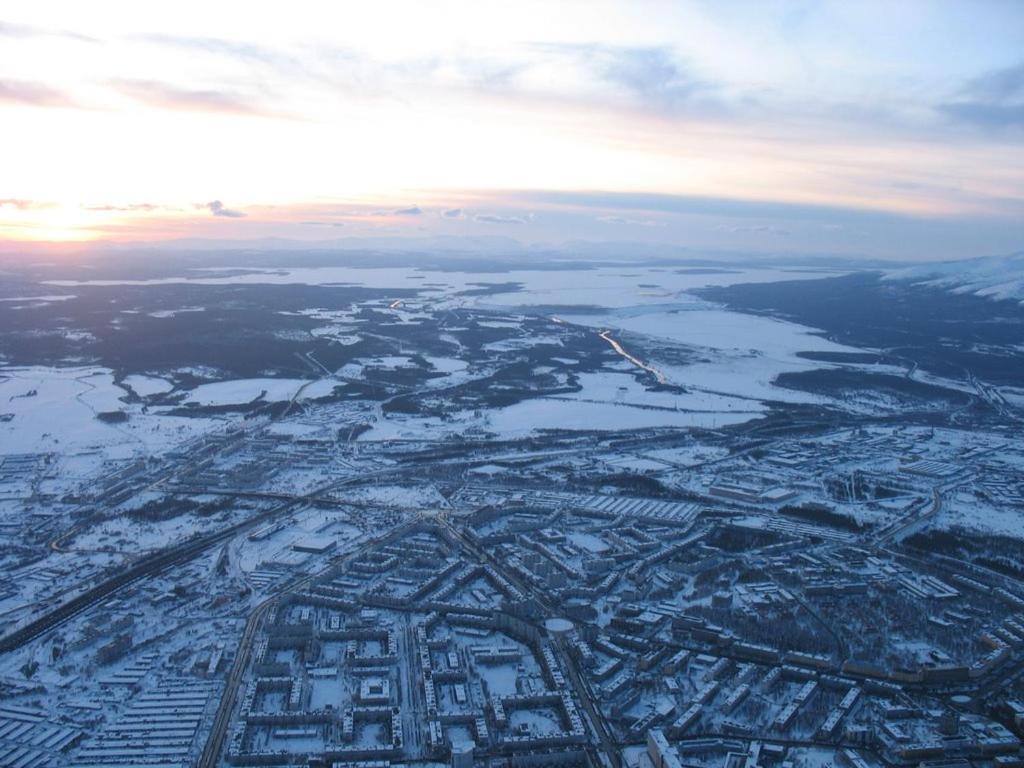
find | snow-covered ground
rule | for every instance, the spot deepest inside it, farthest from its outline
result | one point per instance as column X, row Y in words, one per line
column 616, row 286
column 963, row 509
column 743, row 353
column 555, row 413
column 239, row 391
column 54, row 410
column 996, row 277
column 146, row 386
column 727, row 361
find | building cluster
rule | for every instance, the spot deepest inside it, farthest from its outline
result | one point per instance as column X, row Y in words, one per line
column 756, row 604
column 406, row 650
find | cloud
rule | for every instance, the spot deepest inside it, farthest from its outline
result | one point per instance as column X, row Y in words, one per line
column 32, row 94
column 21, row 204
column 492, row 73
column 453, row 213
column 217, row 208
column 998, row 85
column 16, row 30
column 412, row 210
column 240, row 50
column 630, row 222
column 654, row 75
column 246, row 53
column 651, row 73
column 131, row 207
column 322, row 223
column 167, row 96
column 992, row 100
column 756, row 229
column 22, row 31
column 696, row 205
column 986, row 115
column 487, row 218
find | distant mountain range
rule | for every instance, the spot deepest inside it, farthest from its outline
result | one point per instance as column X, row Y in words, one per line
column 441, row 246
column 995, row 277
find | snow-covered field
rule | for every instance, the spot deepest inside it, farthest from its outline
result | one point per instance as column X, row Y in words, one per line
column 239, row 391
column 743, row 353
column 551, row 413
column 615, row 287
column 963, row 509
column 732, row 359
column 146, row 386
column 55, row 410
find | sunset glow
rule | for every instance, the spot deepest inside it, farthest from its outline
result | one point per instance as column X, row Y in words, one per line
column 322, row 120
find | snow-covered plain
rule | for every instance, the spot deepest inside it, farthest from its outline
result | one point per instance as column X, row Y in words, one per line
column 146, row 386
column 743, row 353
column 240, row 391
column 55, row 410
column 737, row 357
column 732, row 359
column 554, row 413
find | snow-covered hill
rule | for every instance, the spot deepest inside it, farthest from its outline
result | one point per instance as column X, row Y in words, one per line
column 996, row 277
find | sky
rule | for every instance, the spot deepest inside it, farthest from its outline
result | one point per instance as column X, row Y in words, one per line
column 886, row 129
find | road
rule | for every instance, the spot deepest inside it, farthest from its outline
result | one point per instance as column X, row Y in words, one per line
column 607, row 336
column 583, row 693
column 158, row 562
column 215, row 741
column 147, row 566
column 900, row 529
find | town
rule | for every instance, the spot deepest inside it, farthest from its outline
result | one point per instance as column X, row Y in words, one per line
column 756, row 597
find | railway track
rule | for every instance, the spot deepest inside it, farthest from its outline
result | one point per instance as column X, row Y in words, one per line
column 158, row 562
column 141, row 569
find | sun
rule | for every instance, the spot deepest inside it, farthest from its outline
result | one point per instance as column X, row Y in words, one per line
column 54, row 223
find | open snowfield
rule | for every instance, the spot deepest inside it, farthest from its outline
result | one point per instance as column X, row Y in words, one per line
column 745, row 352
column 146, row 386
column 240, row 391
column 994, row 277
column 622, row 390
column 610, row 400
column 615, row 287
column 398, row 496
column 54, row 410
column 963, row 509
column 701, row 325
column 736, row 356
column 551, row 413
